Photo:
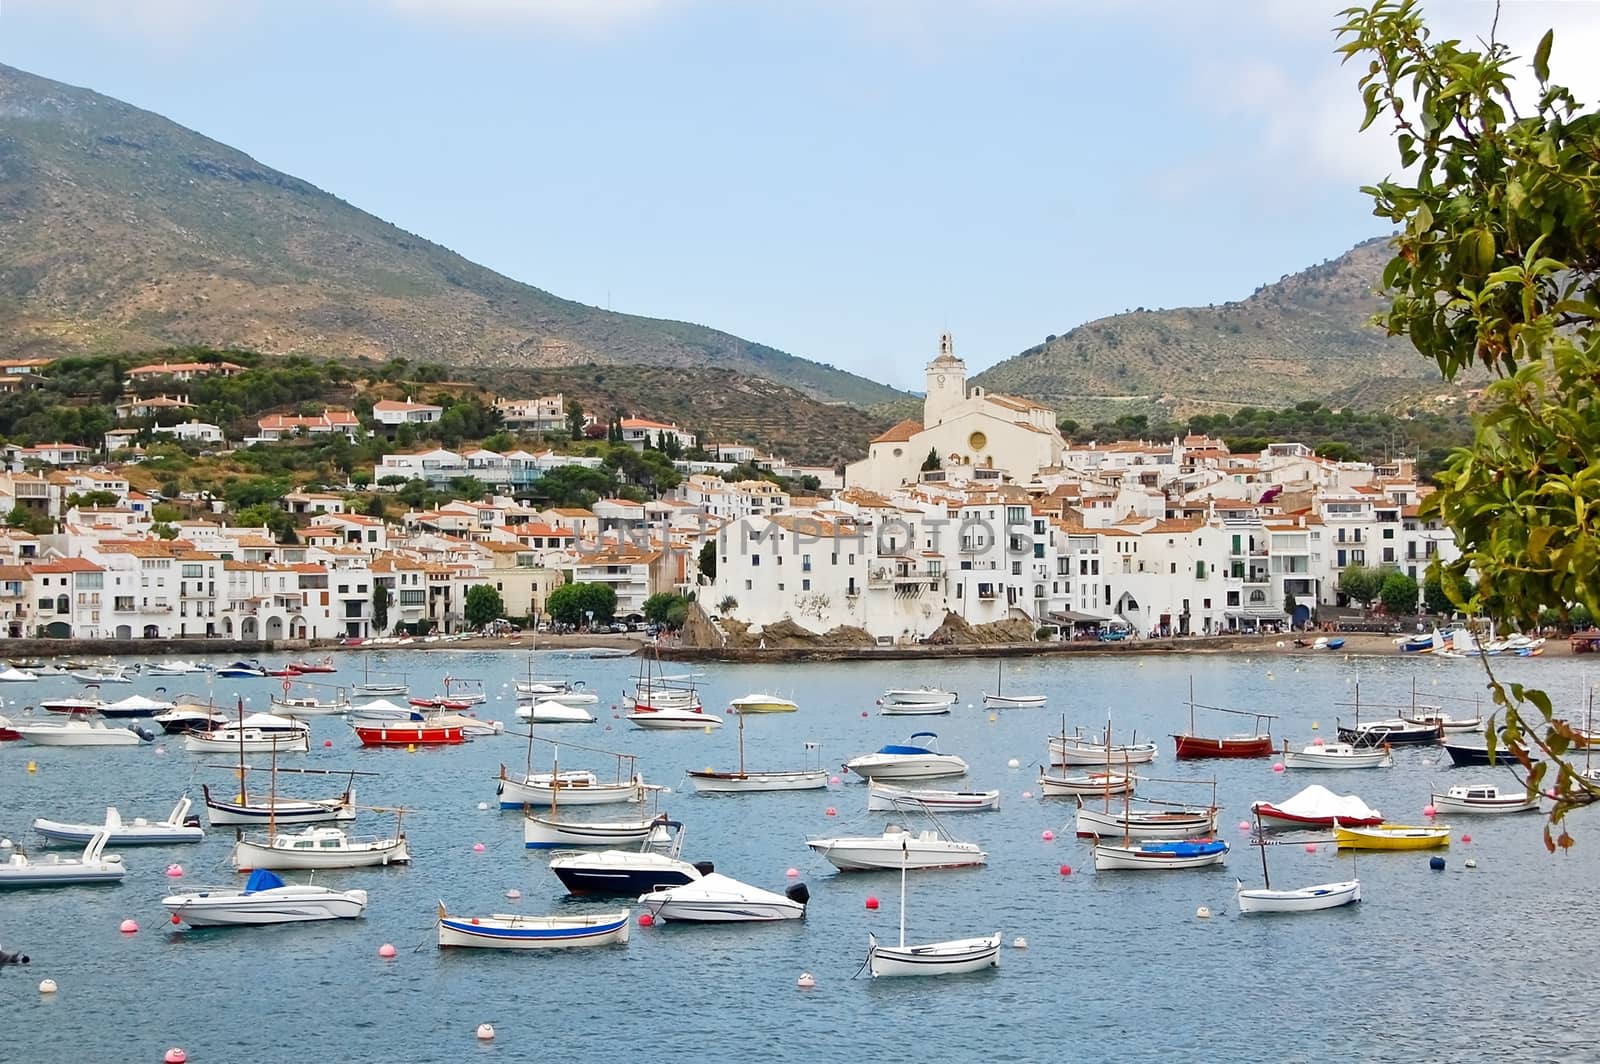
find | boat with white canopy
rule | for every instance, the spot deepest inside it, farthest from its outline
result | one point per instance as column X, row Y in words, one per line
column 549, row 711
column 716, row 898
column 264, row 899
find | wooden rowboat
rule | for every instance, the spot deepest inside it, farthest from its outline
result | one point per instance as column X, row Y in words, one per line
column 1391, row 837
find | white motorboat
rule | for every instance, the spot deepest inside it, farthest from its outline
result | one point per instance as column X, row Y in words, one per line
column 673, row 717
column 310, row 707
column 233, row 739
column 135, row 706
column 243, row 809
column 470, row 726
column 934, row 958
column 84, row 703
column 190, row 718
column 1159, row 855
column 883, row 798
column 548, row 833
column 549, row 711
column 1080, row 750
column 515, row 931
column 809, row 778
column 716, row 898
column 902, row 761
column 914, row 709
column 1304, row 900
column 918, row 696
column 899, row 847
column 179, row 826
column 75, row 731
column 98, row 674
column 1162, row 823
column 264, row 899
column 1485, row 798
column 1090, row 783
column 94, row 865
column 627, row 873
column 12, row 674
column 173, row 668
column 320, row 847
column 567, row 788
column 242, row 670
column 379, row 690
column 762, row 703
column 1336, row 756
column 1000, row 700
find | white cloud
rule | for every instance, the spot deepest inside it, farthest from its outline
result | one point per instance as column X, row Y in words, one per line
column 578, row 16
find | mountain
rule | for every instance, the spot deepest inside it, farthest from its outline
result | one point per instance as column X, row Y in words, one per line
column 1304, row 337
column 120, row 230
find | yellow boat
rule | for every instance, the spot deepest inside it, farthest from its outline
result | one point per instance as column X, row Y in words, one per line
column 1392, row 837
column 761, row 703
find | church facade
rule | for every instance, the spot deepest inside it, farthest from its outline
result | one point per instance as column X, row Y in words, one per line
column 977, row 437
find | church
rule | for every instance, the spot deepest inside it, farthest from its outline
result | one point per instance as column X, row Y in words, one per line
column 978, row 437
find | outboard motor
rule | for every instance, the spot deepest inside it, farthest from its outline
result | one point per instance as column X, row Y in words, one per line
column 705, row 868
column 191, row 821
column 144, row 733
column 12, row 958
column 797, row 893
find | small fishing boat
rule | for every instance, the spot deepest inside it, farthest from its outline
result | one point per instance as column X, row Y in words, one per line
column 429, row 732
column 242, row 670
column 1336, row 756
column 1390, row 837
column 548, row 833
column 99, row 674
column 320, row 847
column 628, row 873
column 716, row 898
column 135, row 706
column 1445, row 723
column 1474, row 754
column 899, row 847
column 899, row 761
column 1301, row 900
column 1484, row 798
column 12, row 674
column 1161, row 855
column 912, row 696
column 515, row 931
column 1078, row 749
column 1394, row 732
column 75, row 731
column 264, row 899
column 567, row 788
column 1161, row 823
column 810, row 778
column 242, row 809
column 760, row 703
column 324, row 666
column 1090, row 783
column 179, row 826
column 1258, row 743
column 173, row 668
column 1000, row 700
column 883, row 798
column 310, row 706
column 379, row 689
column 1316, row 807
column 934, row 958
column 549, row 711
column 230, row 738
column 93, row 866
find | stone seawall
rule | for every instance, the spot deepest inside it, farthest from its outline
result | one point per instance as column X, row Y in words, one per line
column 13, row 649
column 747, row 655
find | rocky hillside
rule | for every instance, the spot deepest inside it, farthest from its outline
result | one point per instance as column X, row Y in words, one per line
column 1304, row 337
column 120, row 231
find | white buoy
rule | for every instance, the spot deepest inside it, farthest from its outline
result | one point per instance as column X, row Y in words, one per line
column 47, row 986
column 482, row 806
column 7, row 844
column 513, row 893
column 806, row 981
column 1013, row 763
column 1471, row 862
column 1019, row 943
column 1203, row 913
column 485, row 1032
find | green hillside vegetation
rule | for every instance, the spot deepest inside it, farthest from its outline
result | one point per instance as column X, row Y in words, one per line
column 1306, row 336
column 124, row 231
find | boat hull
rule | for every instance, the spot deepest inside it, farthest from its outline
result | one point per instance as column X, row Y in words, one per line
column 249, row 855
column 539, row 791
column 1391, row 837
column 298, row 903
column 1317, row 758
column 1137, row 859
column 1087, row 785
column 1478, row 755
column 203, row 743
column 955, row 957
column 602, row 881
column 128, row 835
column 672, row 719
column 503, row 931
column 1089, row 754
column 284, row 812
column 1304, row 900
column 45, row 735
column 914, row 709
column 1513, row 803
column 716, row 899
column 1401, row 734
column 539, row 833
column 400, row 734
column 1188, row 824
column 1014, row 701
column 707, row 782
column 889, row 799
column 1272, row 816
column 47, row 876
column 1195, row 747
column 875, row 854
column 907, row 766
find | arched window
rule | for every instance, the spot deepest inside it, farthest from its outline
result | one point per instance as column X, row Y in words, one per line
column 63, row 604
column 1258, row 598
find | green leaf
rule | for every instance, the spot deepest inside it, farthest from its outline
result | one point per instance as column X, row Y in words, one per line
column 1541, row 56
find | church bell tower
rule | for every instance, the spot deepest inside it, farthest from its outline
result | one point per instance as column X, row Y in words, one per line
column 947, row 384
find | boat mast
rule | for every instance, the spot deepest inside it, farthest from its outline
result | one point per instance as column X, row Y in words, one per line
column 1261, row 840
column 905, row 859
column 741, row 744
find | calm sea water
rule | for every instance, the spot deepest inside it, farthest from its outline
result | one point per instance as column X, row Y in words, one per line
column 1476, row 964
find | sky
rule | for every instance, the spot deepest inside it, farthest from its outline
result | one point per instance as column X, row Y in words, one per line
column 841, row 180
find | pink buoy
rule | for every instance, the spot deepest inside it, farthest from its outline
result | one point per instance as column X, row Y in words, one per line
column 128, row 927
column 327, row 743
column 1244, row 825
column 646, row 920
column 830, row 811
column 1047, row 835
column 833, row 781
column 1311, row 847
column 386, row 950
column 728, row 712
column 1066, row 870
column 1027, row 794
column 174, row 870
column 1317, row 741
column 477, row 847
column 872, row 902
column 513, row 893
column 863, row 713
column 792, row 873
column 485, row 1032
column 1466, row 838
column 174, row 1056
column 1429, row 810
column 1278, row 767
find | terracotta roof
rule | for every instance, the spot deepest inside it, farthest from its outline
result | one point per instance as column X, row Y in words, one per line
column 68, row 565
column 390, row 406
column 15, row 572
column 160, row 368
column 899, row 433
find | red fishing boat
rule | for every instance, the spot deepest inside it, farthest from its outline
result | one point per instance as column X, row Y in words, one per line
column 440, row 703
column 1191, row 747
column 408, row 733
column 325, row 665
